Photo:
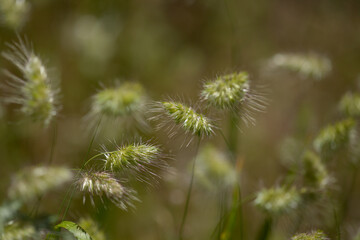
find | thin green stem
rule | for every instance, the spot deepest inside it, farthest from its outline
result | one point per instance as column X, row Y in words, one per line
column 189, row 192
column 347, row 198
column 265, row 230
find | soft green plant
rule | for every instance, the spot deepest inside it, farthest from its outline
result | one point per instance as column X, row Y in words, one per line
column 315, row 235
column 350, row 104
column 14, row 12
column 278, row 200
column 334, row 137
column 92, row 228
column 34, row 90
column 308, row 65
column 33, row 182
column 315, row 173
column 16, row 232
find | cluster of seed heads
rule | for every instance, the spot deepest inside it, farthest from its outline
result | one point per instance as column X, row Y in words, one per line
column 277, row 200
column 334, row 137
column 33, row 182
column 103, row 184
column 307, row 65
column 34, row 90
column 315, row 235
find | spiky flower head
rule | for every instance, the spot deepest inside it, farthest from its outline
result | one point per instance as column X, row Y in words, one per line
column 315, row 235
column 309, row 65
column 103, row 184
column 315, row 172
column 187, row 118
column 350, row 104
column 277, row 200
column 34, row 91
column 13, row 12
column 92, row 228
column 141, row 159
column 213, row 168
column 334, row 137
column 226, row 91
column 17, row 232
column 32, row 182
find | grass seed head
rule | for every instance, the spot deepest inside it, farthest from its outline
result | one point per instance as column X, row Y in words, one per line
column 350, row 104
column 277, row 200
column 14, row 12
column 16, row 232
column 35, row 181
column 103, row 184
column 33, row 91
column 315, row 235
column 315, row 173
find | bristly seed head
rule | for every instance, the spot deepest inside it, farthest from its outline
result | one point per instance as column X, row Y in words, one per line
column 315, row 235
column 34, row 91
column 35, row 181
column 226, row 91
column 120, row 101
column 334, row 137
column 142, row 160
column 186, row 117
column 315, row 173
column 350, row 104
column 278, row 200
column 104, row 184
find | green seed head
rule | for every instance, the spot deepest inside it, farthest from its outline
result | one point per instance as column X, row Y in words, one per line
column 34, row 92
column 32, row 182
column 226, row 91
column 334, row 137
column 14, row 12
column 120, row 101
column 350, row 104
column 191, row 121
column 315, row 235
column 315, row 174
column 277, row 200
column 310, row 65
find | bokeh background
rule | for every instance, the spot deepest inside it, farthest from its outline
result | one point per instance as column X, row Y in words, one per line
column 171, row 47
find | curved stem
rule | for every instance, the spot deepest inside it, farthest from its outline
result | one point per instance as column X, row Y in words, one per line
column 189, row 192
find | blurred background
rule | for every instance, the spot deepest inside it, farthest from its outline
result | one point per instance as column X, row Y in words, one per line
column 171, row 47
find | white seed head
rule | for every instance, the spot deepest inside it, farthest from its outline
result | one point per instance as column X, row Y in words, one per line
column 309, row 65
column 278, row 200
column 315, row 173
column 14, row 12
column 315, row 235
column 35, row 181
column 103, row 184
column 33, row 91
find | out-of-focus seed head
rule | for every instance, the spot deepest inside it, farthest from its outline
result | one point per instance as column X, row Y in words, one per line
column 187, row 118
column 334, row 137
column 309, row 65
column 226, row 91
column 16, row 232
column 278, row 200
column 142, row 160
column 213, row 168
column 33, row 91
column 315, row 235
column 315, row 173
column 103, row 184
column 14, row 12
column 35, row 181
column 350, row 104
column 92, row 228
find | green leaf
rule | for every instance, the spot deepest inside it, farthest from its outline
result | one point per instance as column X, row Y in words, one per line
column 75, row 229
